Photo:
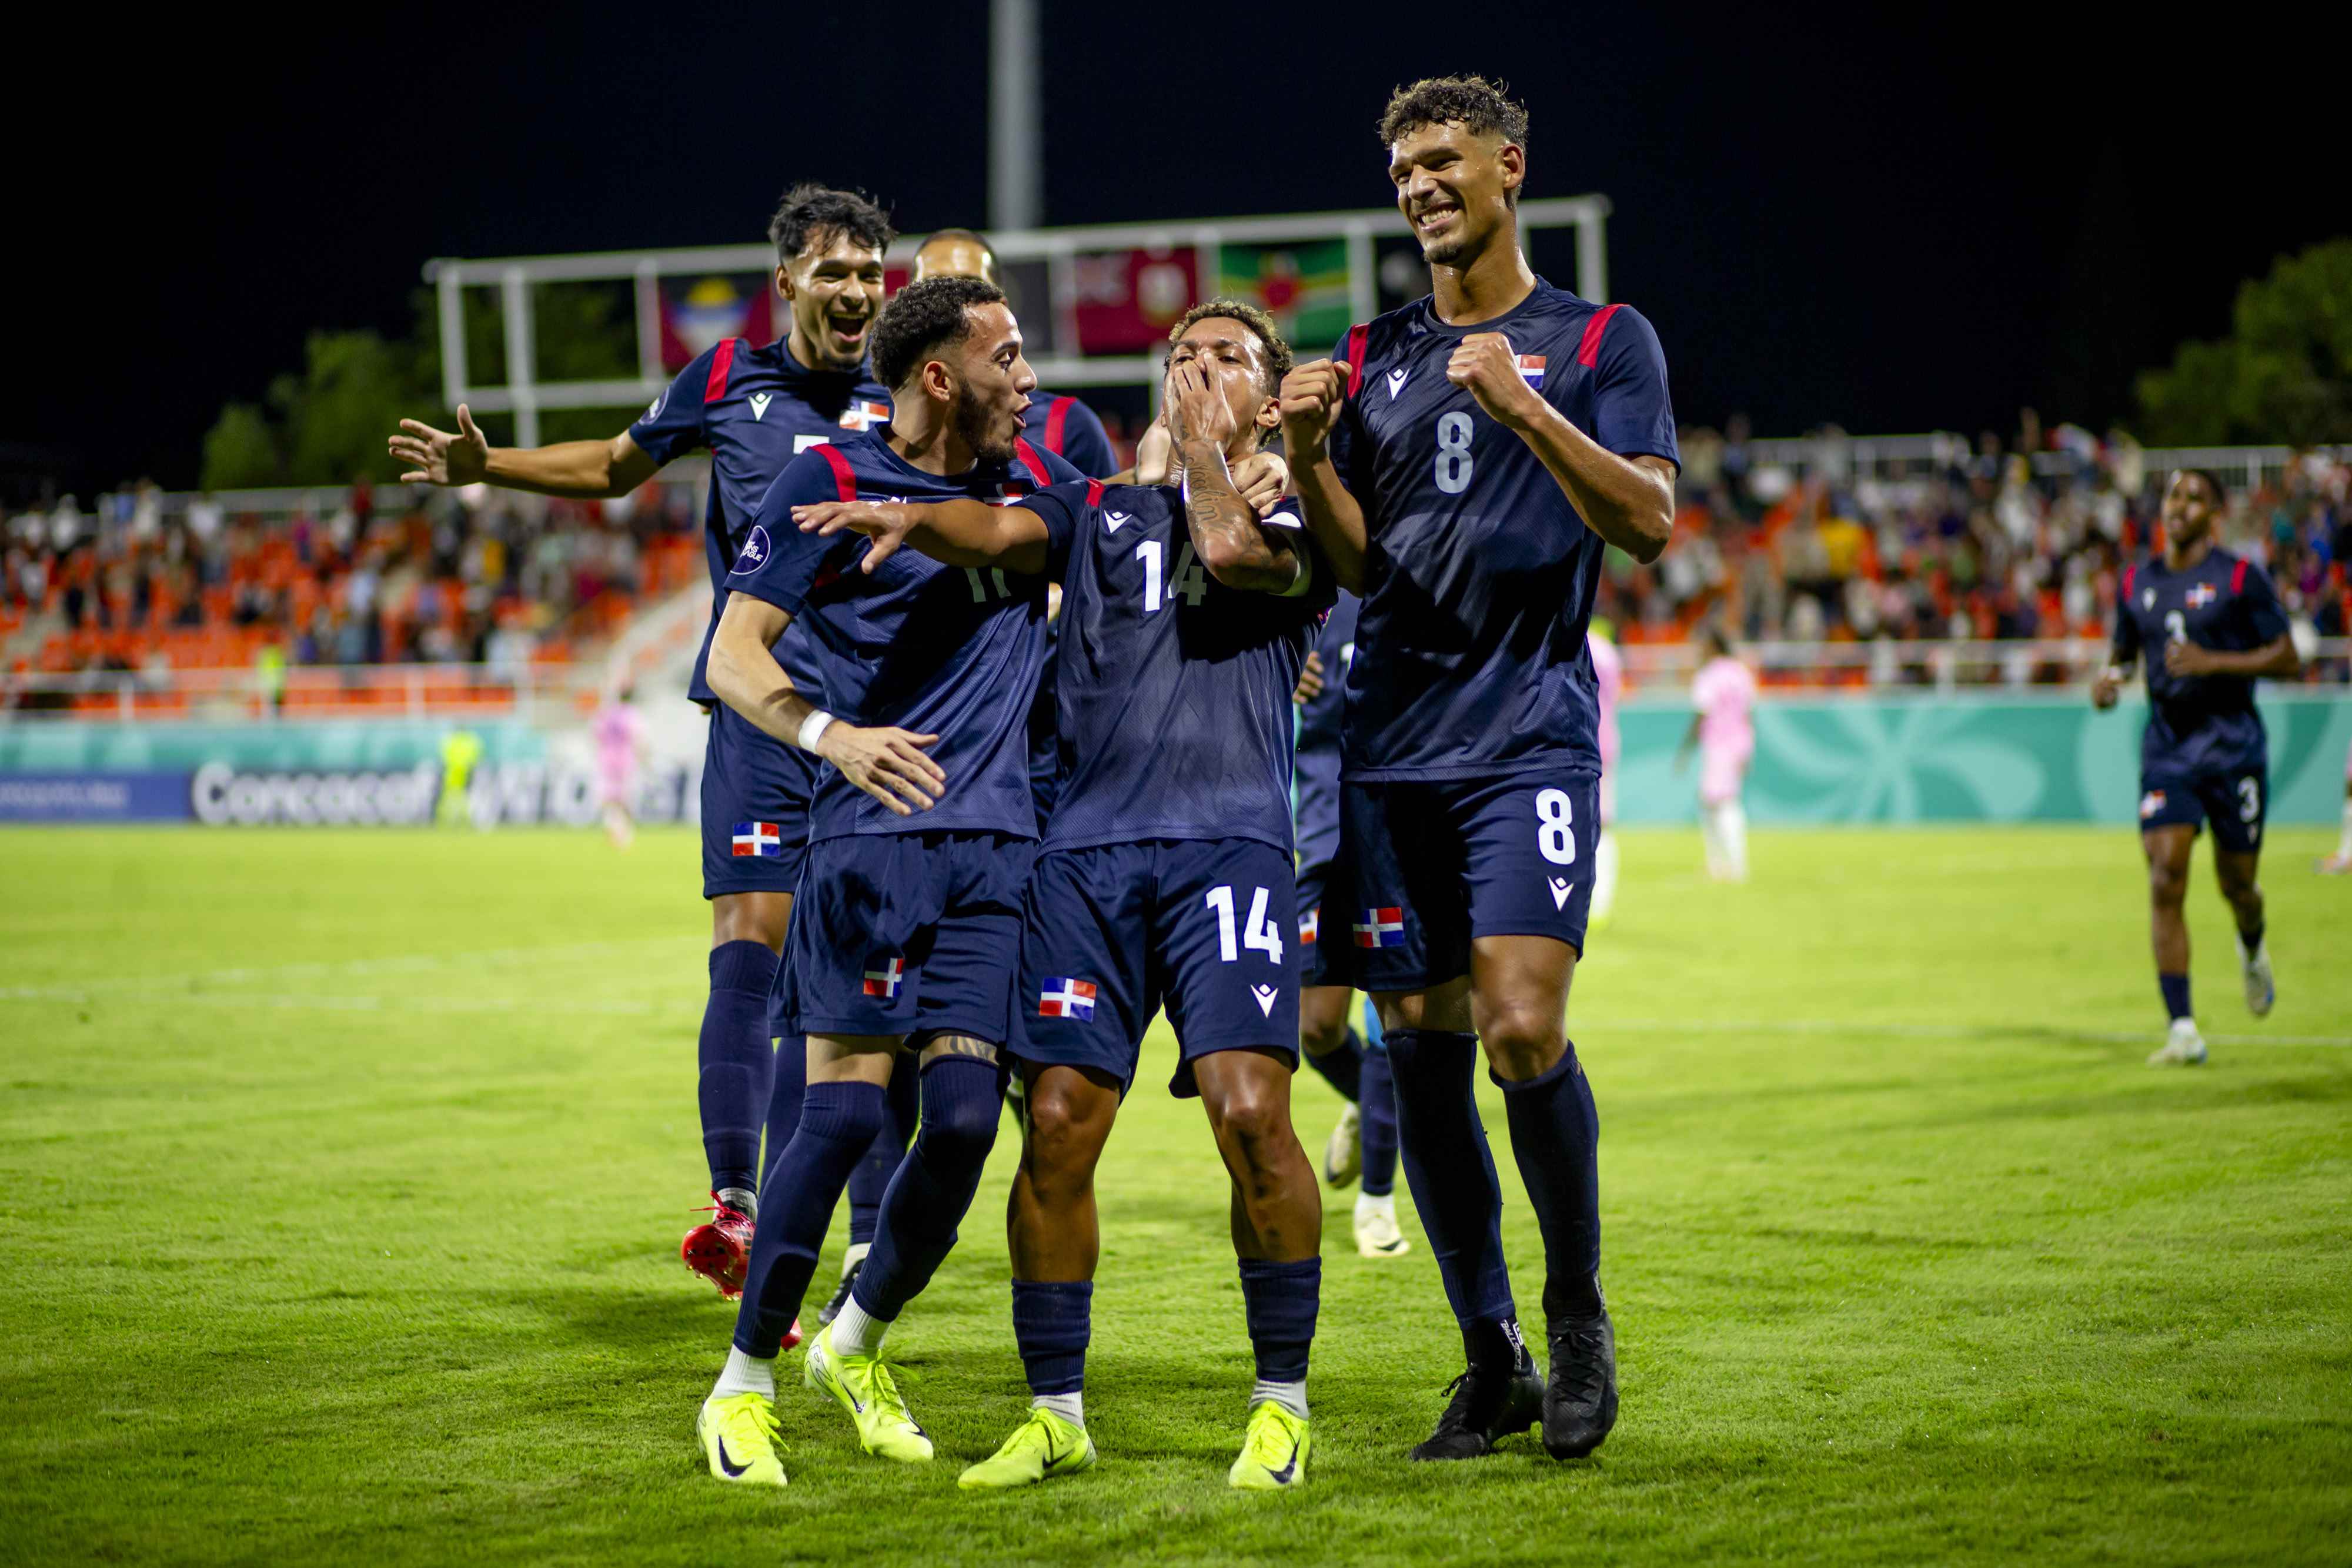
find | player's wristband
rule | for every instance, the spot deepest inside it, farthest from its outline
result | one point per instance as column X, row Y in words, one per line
column 812, row 727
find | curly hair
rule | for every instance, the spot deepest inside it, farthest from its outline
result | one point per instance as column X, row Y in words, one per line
column 922, row 317
column 1485, row 107
column 811, row 213
column 1269, row 337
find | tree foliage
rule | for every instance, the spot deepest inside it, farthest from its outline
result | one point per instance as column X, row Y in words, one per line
column 2283, row 374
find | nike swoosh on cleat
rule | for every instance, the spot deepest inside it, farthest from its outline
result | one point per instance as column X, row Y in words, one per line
column 729, row 1466
column 1282, row 1477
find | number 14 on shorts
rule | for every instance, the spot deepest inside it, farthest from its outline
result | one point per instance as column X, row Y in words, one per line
column 1257, row 932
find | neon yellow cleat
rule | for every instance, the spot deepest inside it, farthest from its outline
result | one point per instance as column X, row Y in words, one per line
column 739, row 1439
column 1274, row 1450
column 1040, row 1448
column 864, row 1386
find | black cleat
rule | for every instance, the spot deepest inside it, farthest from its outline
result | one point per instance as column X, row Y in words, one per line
column 1488, row 1403
column 1579, row 1403
column 841, row 1297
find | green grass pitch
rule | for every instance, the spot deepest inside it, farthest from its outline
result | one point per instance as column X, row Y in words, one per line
column 341, row 1176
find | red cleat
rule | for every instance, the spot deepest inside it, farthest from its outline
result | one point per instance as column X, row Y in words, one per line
column 719, row 1250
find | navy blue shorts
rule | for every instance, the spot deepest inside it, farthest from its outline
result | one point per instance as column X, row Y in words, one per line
column 906, row 934
column 1425, row 867
column 1112, row 933
column 755, row 808
column 1314, row 964
column 2237, row 799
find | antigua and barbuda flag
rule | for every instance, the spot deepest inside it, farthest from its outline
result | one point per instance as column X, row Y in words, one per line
column 1531, row 369
column 1382, row 927
column 759, row 838
column 1067, row 999
column 883, row 980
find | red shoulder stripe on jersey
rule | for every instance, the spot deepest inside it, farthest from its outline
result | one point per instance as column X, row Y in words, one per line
column 1587, row 352
column 2238, row 578
column 1031, row 461
column 2130, row 572
column 1355, row 336
column 1056, row 417
column 842, row 476
column 720, row 363
column 1093, row 492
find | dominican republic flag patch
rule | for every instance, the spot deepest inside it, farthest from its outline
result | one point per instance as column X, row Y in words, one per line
column 1382, row 927
column 882, row 980
column 1531, row 369
column 1309, row 923
column 2203, row 594
column 759, row 838
column 863, row 415
column 1067, row 999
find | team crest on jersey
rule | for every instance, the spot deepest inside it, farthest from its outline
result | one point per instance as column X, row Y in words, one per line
column 2203, row 594
column 1381, row 927
column 760, row 401
column 2150, row 804
column 1396, row 382
column 1531, row 369
column 765, row 840
column 1067, row 998
column 885, row 978
column 755, row 550
column 864, row 415
column 1309, row 923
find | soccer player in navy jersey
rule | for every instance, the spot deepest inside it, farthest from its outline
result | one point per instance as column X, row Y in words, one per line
column 2204, row 754
column 1363, row 1144
column 1165, row 874
column 920, row 831
column 1465, row 460
column 752, row 409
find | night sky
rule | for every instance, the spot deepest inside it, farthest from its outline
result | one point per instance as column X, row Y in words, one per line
column 1897, row 219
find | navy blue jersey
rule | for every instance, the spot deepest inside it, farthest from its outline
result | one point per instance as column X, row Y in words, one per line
column 2224, row 602
column 939, row 650
column 1317, row 794
column 1171, row 690
column 755, row 410
column 1479, row 575
column 1070, row 431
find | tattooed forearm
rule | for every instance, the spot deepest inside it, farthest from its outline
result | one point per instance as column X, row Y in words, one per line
column 1234, row 547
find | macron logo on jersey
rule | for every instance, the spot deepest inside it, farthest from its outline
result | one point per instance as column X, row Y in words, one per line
column 2203, row 594
column 1382, row 927
column 1115, row 518
column 1066, row 999
column 883, row 980
column 1531, row 369
column 1396, row 382
column 755, row 550
column 760, row 401
column 759, row 838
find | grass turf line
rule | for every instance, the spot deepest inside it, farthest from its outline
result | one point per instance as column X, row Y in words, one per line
column 341, row 1176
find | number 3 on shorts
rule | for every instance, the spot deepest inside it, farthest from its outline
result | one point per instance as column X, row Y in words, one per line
column 2250, row 798
column 1556, row 837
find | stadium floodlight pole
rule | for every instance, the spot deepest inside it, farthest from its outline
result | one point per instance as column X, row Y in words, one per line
column 1016, row 174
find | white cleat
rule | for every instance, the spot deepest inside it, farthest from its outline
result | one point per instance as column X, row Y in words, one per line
column 2254, row 968
column 1377, row 1234
column 1343, row 1156
column 2184, row 1047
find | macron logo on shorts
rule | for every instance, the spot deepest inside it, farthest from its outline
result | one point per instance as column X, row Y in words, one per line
column 1309, row 924
column 882, row 980
column 759, row 838
column 1382, row 927
column 1064, row 999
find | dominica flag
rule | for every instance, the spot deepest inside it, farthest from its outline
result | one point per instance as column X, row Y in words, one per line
column 1303, row 286
column 759, row 838
column 883, row 980
column 1382, row 927
column 1531, row 369
column 1309, row 923
column 1064, row 999
column 863, row 415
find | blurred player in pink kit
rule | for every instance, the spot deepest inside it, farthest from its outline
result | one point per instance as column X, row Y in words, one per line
column 619, row 730
column 1723, row 730
column 1609, row 675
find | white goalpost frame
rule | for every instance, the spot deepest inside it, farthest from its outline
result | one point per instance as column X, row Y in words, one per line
column 524, row 394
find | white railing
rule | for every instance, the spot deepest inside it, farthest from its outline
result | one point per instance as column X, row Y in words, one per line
column 1889, row 666
column 1894, row 458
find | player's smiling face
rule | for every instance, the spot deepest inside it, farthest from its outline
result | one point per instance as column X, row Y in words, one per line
column 1234, row 359
column 1454, row 185
column 2187, row 510
column 992, row 383
column 835, row 287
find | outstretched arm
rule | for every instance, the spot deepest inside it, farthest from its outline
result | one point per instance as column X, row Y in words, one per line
column 1313, row 395
column 2276, row 659
column 961, row 532
column 578, row 470
column 889, row 764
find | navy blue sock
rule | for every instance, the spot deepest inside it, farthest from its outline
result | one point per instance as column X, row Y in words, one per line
column 963, row 1096
column 1380, row 1125
column 838, row 1121
column 1280, row 1302
column 1343, row 1069
column 2176, row 995
column 1450, row 1170
column 737, row 1062
column 871, row 1179
column 785, row 1100
column 1556, row 1138
column 1051, row 1321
